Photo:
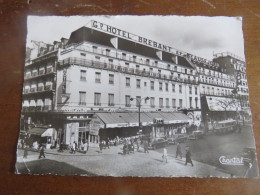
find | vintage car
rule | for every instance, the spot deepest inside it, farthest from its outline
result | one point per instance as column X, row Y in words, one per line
column 249, row 156
column 181, row 138
column 227, row 126
column 157, row 143
column 196, row 135
column 171, row 140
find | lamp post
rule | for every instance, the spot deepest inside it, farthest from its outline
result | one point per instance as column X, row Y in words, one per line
column 139, row 108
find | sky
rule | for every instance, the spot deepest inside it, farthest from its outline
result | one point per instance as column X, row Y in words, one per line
column 199, row 35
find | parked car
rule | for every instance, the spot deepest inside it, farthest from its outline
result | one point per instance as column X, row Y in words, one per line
column 196, row 135
column 181, row 138
column 249, row 156
column 157, row 143
column 171, row 140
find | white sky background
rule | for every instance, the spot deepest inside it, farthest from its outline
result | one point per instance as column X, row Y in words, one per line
column 198, row 35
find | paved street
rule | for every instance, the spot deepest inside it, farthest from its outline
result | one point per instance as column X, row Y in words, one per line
column 112, row 163
column 210, row 148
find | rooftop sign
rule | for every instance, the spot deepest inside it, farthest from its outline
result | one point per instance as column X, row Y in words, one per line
column 124, row 34
column 127, row 35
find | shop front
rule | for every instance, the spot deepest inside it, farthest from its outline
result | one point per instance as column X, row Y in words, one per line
column 153, row 124
column 43, row 135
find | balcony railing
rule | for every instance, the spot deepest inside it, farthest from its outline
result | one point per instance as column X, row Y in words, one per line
column 39, row 89
column 40, row 73
column 128, row 105
column 97, row 64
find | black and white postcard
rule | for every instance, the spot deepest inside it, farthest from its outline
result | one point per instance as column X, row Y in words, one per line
column 141, row 96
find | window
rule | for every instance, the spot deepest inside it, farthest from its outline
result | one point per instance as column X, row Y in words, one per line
column 110, row 61
column 196, row 102
column 94, row 49
column 145, row 84
column 179, row 76
column 196, row 91
column 152, row 85
column 190, row 102
column 174, row 103
column 190, row 90
column 173, row 87
column 107, row 52
column 97, row 58
column 127, row 82
column 82, row 98
column 147, row 61
column 127, row 64
column 97, row 99
column 123, row 56
column 83, row 54
column 98, row 77
column 180, row 103
column 161, row 102
column 160, row 86
column 185, row 71
column 83, row 75
column 134, row 58
column 138, row 83
column 180, row 89
column 138, row 100
column 169, row 66
column 152, row 102
column 111, row 100
column 166, row 86
column 111, row 79
column 167, row 103
column 137, row 66
column 156, row 63
column 127, row 101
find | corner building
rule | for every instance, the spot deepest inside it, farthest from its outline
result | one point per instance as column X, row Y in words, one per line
column 99, row 76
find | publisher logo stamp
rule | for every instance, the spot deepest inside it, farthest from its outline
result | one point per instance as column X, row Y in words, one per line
column 225, row 160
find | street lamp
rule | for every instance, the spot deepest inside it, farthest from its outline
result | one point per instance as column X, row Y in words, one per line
column 139, row 108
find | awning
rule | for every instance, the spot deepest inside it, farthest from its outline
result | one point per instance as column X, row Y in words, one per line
column 112, row 120
column 32, row 103
column 25, row 103
column 222, row 104
column 42, row 131
column 39, row 102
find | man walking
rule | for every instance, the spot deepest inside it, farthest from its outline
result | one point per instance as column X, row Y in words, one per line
column 41, row 152
column 165, row 155
column 188, row 157
column 178, row 150
column 146, row 146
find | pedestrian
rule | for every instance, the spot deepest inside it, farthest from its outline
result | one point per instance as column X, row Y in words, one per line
column 22, row 142
column 138, row 144
column 100, row 146
column 165, row 155
column 107, row 143
column 41, row 151
column 73, row 149
column 178, row 150
column 146, row 146
column 238, row 128
column 188, row 157
column 25, row 152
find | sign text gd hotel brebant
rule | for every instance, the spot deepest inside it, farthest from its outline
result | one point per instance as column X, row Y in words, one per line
column 144, row 41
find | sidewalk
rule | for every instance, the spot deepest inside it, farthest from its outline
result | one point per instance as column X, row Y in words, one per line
column 111, row 162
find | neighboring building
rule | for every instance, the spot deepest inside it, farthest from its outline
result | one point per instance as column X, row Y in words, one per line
column 236, row 66
column 214, row 82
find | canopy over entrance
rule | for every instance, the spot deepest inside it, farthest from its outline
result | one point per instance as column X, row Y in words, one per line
column 113, row 120
column 42, row 131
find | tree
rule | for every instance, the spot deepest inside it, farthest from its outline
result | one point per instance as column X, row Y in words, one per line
column 226, row 104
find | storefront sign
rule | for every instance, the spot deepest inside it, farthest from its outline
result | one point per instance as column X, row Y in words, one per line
column 95, row 125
